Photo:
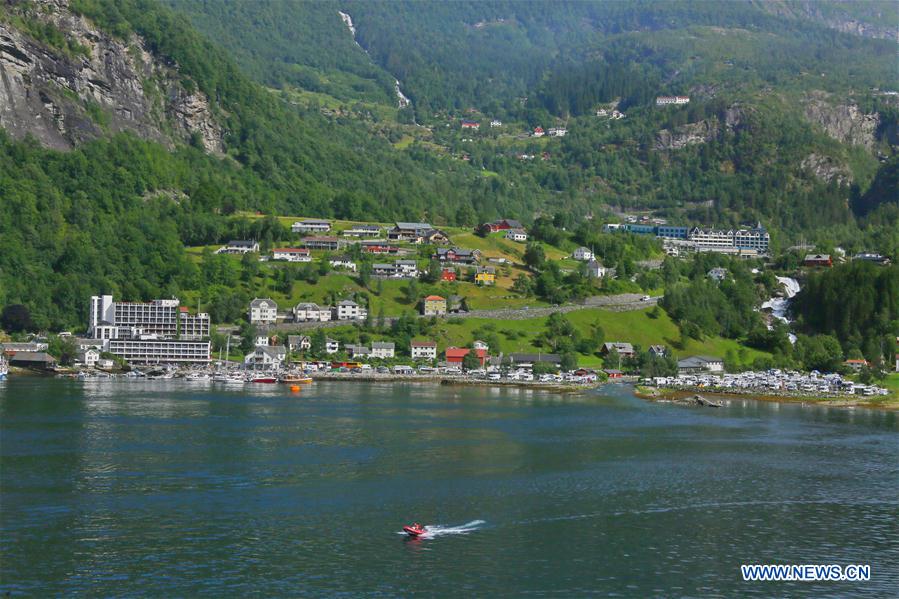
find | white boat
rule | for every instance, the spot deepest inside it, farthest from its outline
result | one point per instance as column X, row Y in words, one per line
column 4, row 369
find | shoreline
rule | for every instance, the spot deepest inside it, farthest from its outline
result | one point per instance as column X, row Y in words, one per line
column 671, row 395
column 444, row 380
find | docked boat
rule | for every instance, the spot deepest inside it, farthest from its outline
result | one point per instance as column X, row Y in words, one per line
column 295, row 379
column 4, row 369
column 263, row 378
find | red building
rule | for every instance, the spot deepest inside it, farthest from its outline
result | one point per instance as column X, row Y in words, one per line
column 448, row 274
column 504, row 225
column 613, row 374
column 455, row 355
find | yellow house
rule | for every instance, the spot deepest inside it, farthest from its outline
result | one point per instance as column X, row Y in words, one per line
column 486, row 275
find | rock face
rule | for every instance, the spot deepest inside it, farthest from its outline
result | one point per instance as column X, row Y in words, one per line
column 827, row 169
column 687, row 135
column 844, row 122
column 699, row 132
column 64, row 98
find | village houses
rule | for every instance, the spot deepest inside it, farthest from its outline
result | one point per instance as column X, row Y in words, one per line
column 265, row 357
column 299, row 343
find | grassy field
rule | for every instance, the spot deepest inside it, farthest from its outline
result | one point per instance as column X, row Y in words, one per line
column 636, row 327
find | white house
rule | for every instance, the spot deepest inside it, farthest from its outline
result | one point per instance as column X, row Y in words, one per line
column 358, row 351
column 311, row 226
column 517, row 235
column 363, row 231
column 349, row 310
column 263, row 311
column 496, row 123
column 478, row 344
column 583, row 254
column 105, row 363
column 299, row 343
column 238, row 247
column 266, row 357
column 89, row 357
column 309, row 312
column 332, row 346
column 261, row 341
column 292, row 254
column 342, row 262
column 557, row 131
column 423, row 350
column 596, row 269
column 382, row 349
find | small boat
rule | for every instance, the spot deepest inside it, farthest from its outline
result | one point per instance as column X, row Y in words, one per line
column 264, row 379
column 295, row 378
column 414, row 530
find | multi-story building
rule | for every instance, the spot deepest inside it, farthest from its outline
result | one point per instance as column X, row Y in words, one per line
column 154, row 332
column 349, row 310
column 156, row 317
column 159, row 351
column 263, row 311
column 423, row 350
column 192, row 327
column 433, row 305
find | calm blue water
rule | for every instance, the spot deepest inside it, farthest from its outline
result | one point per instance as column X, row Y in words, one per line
column 177, row 489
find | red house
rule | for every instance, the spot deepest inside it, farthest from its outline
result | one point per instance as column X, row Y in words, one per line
column 613, row 374
column 455, row 355
column 504, row 225
column 448, row 274
column 467, row 124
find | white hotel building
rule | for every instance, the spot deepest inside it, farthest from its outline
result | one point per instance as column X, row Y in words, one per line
column 158, row 331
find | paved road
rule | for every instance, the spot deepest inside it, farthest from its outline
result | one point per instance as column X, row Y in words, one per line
column 623, row 302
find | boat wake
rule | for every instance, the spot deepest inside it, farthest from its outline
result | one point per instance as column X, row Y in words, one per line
column 438, row 530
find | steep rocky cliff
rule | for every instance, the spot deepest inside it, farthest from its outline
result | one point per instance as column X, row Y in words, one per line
column 93, row 85
column 844, row 122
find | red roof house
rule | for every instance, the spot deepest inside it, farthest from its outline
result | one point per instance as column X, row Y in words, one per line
column 448, row 274
column 455, row 355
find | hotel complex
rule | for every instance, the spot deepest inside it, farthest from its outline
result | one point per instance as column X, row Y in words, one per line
column 158, row 331
column 745, row 241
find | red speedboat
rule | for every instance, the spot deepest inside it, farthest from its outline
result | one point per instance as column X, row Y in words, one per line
column 264, row 379
column 414, row 530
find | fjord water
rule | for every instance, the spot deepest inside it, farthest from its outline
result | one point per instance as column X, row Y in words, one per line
column 184, row 489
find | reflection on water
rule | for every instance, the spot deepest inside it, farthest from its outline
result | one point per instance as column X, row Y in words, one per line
column 188, row 488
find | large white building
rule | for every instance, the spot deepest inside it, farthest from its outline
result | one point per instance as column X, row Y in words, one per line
column 724, row 240
column 263, row 311
column 159, row 351
column 154, row 332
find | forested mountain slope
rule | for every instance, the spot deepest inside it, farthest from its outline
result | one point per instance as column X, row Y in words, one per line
column 168, row 132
